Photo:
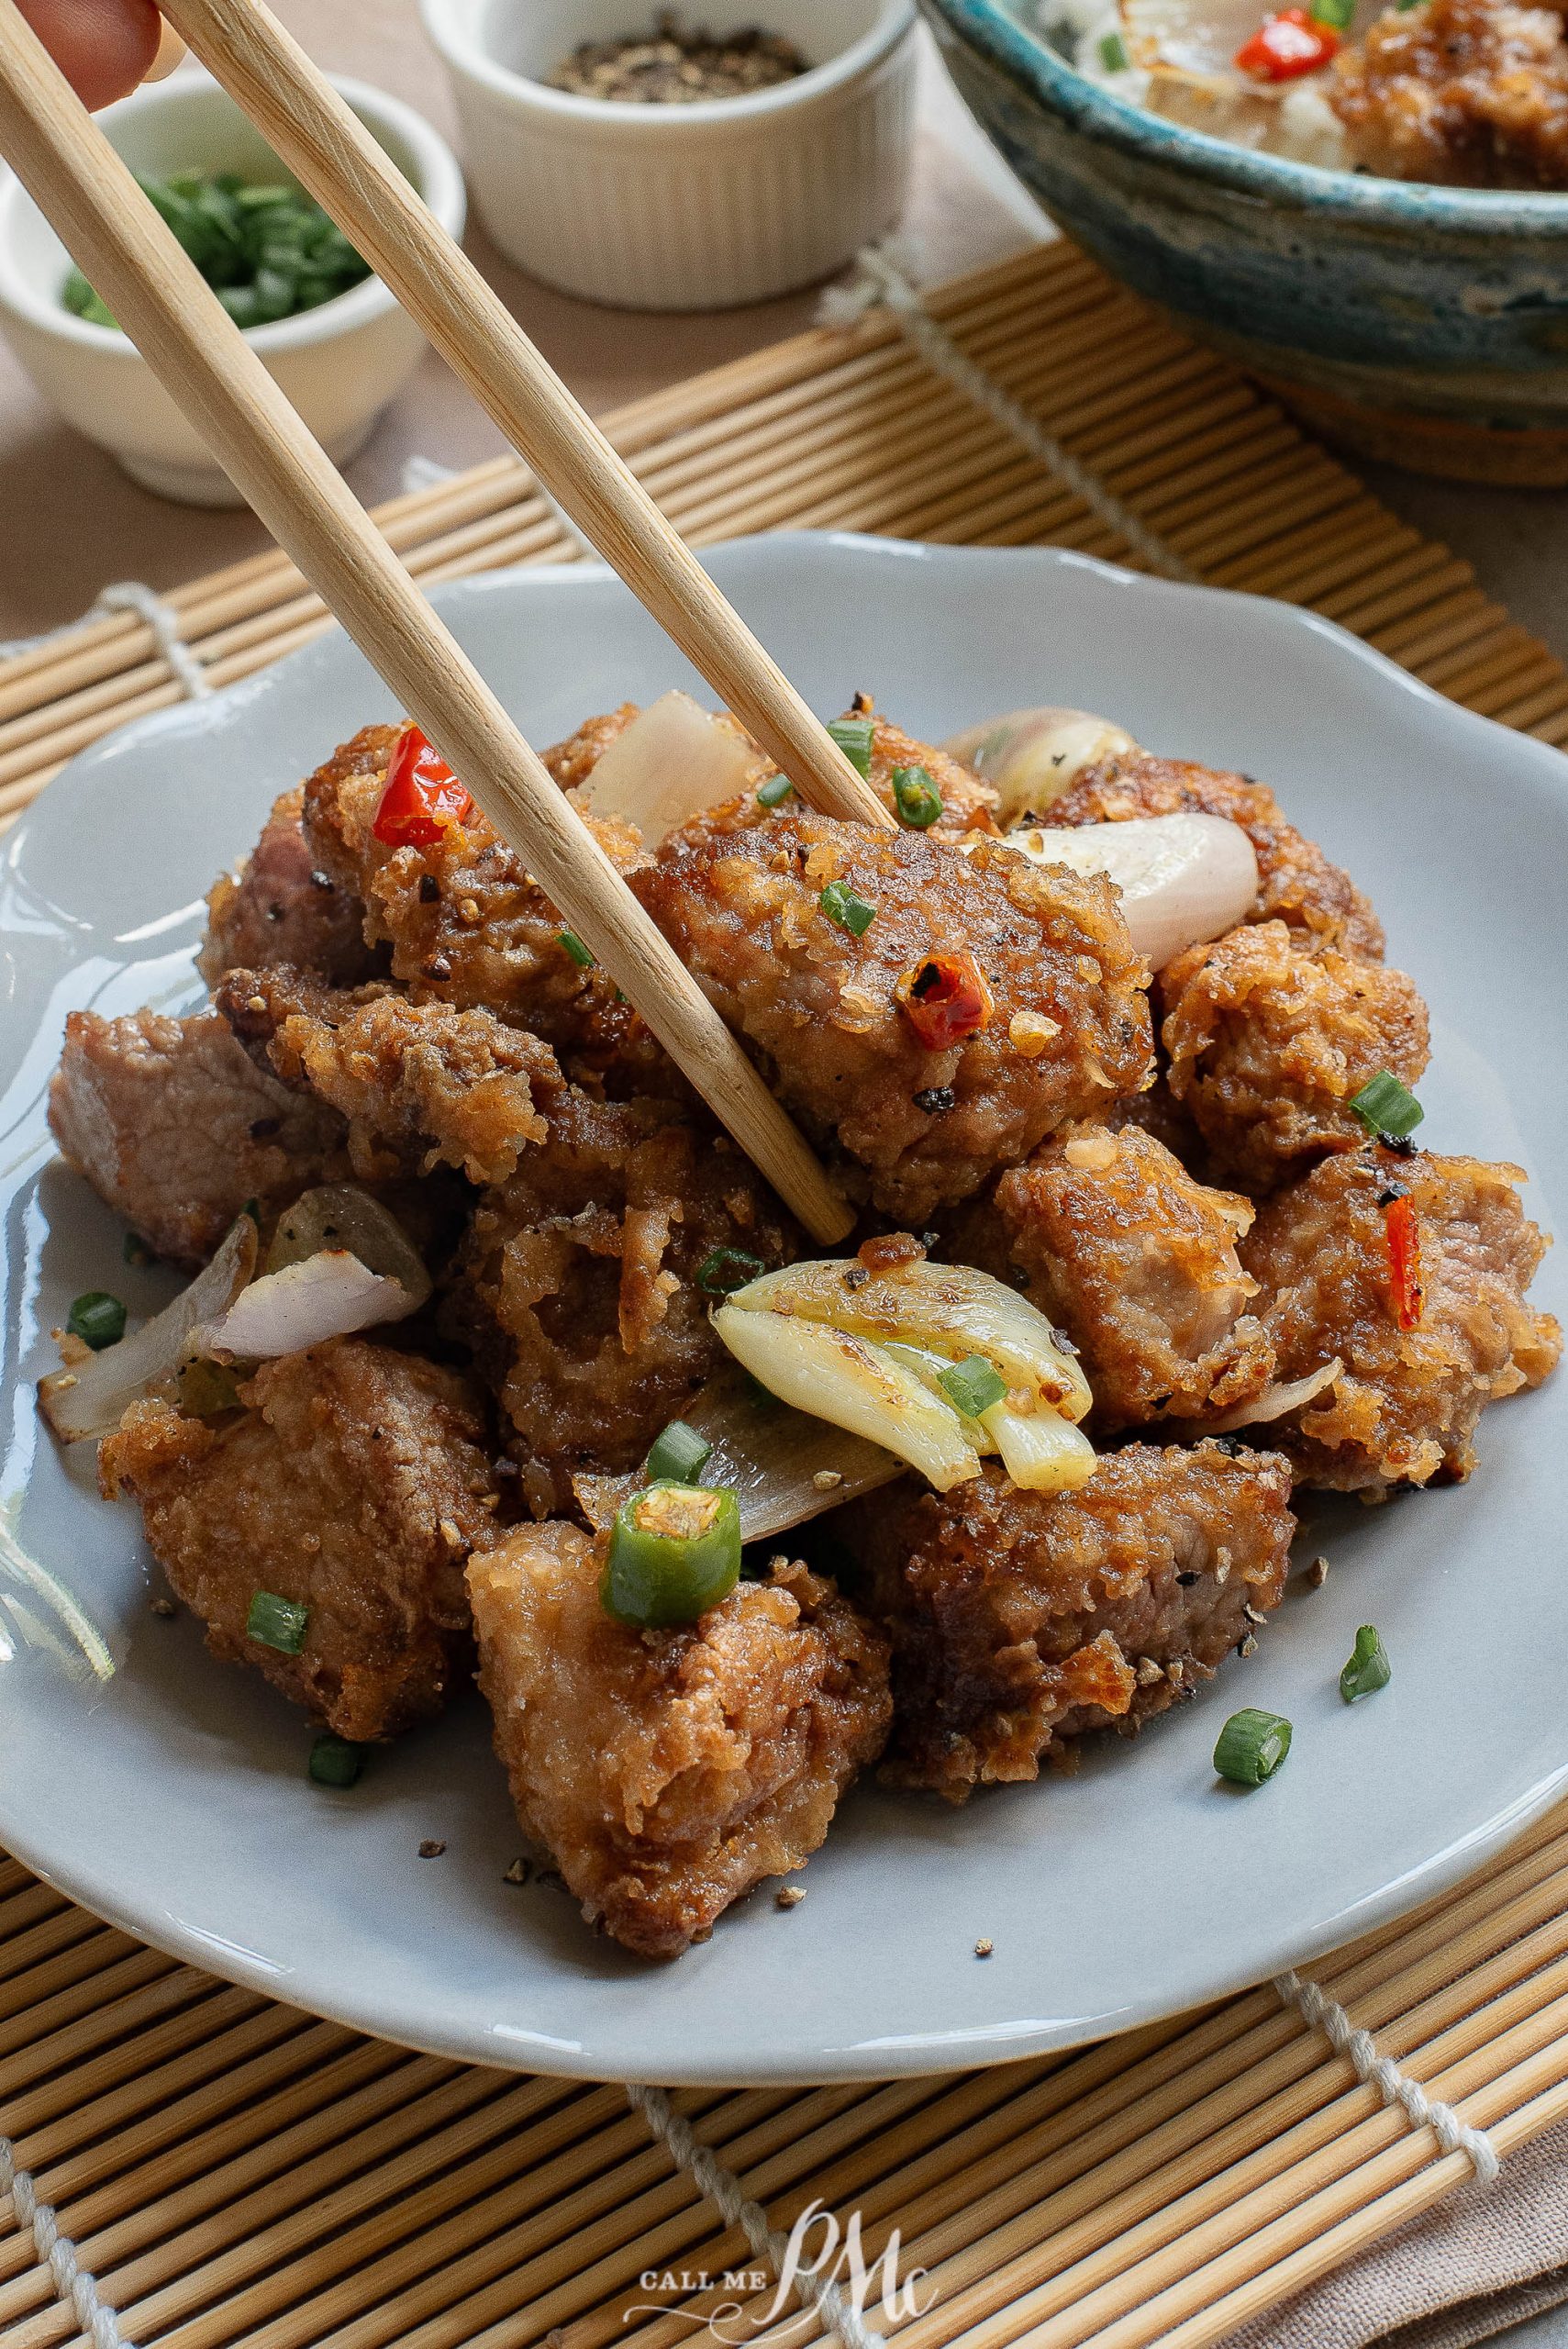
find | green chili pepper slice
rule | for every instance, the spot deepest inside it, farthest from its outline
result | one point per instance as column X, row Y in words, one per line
column 674, row 1552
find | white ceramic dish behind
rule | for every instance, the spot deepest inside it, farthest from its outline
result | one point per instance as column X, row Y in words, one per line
column 168, row 1792
column 340, row 364
column 682, row 207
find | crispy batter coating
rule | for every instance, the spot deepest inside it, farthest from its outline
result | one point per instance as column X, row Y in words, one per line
column 354, row 1484
column 464, row 922
column 1068, row 1033
column 1465, row 93
column 572, row 762
column 1021, row 1620
column 277, row 907
column 178, row 1130
column 668, row 1772
column 1296, row 883
column 420, row 1084
column 1137, row 1262
column 1407, row 1406
column 576, row 1284
column 1268, row 1040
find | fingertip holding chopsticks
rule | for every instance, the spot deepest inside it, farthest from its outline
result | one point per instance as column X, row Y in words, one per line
column 93, row 201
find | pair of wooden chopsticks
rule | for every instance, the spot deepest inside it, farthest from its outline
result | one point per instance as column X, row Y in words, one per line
column 92, row 200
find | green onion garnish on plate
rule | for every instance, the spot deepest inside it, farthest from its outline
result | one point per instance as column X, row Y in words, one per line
column 916, row 797
column 774, row 792
column 1335, row 13
column 274, row 1623
column 853, row 736
column 674, row 1552
column 1113, row 53
column 1386, row 1107
column 1368, row 1669
column 973, row 1386
column 573, row 945
column 97, row 1319
column 679, row 1455
column 1251, row 1746
column 843, row 905
column 334, row 1761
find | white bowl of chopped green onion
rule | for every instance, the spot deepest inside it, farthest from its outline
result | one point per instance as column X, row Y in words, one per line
column 327, row 328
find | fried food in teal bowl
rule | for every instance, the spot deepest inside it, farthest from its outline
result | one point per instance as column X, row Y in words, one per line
column 1365, row 205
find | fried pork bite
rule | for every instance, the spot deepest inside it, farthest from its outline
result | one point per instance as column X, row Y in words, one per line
column 1021, row 1620
column 279, row 908
column 580, row 1283
column 354, row 1484
column 1463, row 92
column 1268, row 1040
column 1411, row 1269
column 1137, row 1262
column 465, row 923
column 420, row 1084
column 179, row 1131
column 847, row 1011
column 1296, row 884
column 667, row 1772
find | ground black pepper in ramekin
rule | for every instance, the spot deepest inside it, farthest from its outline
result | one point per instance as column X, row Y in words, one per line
column 673, row 66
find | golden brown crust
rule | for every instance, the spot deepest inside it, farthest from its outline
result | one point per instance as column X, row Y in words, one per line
column 1137, row 1262
column 1462, row 93
column 1069, row 1031
column 572, row 762
column 354, row 1484
column 668, row 1772
column 280, row 907
column 178, row 1130
column 1269, row 1041
column 577, row 1284
column 1021, row 1620
column 420, row 1084
column 1296, row 883
column 1405, row 1409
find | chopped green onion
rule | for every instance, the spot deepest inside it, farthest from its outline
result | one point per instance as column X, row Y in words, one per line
column 1368, row 1669
column 1386, row 1107
column 267, row 252
column 674, row 1552
column 575, row 948
column 97, row 1319
column 973, row 1386
column 334, row 1761
column 915, row 794
column 1337, row 12
column 774, row 792
column 276, row 1622
column 1251, row 1746
column 853, row 736
column 841, row 904
column 1113, row 52
column 679, row 1455
column 727, row 1269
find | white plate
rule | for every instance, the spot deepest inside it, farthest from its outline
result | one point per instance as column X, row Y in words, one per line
column 168, row 1792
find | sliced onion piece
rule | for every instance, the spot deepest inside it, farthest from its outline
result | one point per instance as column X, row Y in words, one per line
column 1182, row 878
column 951, row 1309
column 91, row 1399
column 1275, row 1401
column 673, row 760
column 1030, row 756
column 329, row 1295
column 836, row 1375
column 784, row 1465
column 342, row 1215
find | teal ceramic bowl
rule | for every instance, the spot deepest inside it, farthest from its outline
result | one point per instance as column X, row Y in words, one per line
column 1425, row 326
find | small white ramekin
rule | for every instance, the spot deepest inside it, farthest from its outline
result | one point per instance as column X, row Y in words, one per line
column 339, row 363
column 683, row 207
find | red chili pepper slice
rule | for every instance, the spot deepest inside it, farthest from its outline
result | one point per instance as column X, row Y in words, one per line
column 422, row 796
column 1286, row 46
column 945, row 999
column 1405, row 1294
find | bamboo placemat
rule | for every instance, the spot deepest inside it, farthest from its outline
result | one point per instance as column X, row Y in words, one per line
column 217, row 2169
